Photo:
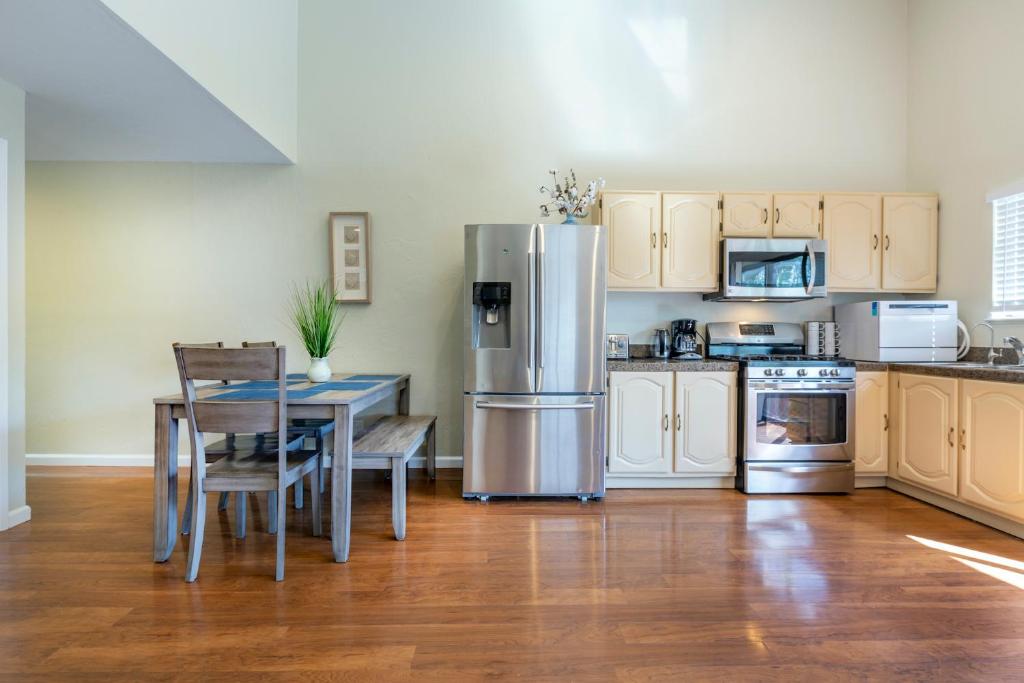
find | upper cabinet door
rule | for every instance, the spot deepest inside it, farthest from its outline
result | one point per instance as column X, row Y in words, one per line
column 690, row 241
column 705, row 423
column 746, row 214
column 852, row 225
column 796, row 214
column 872, row 435
column 910, row 238
column 634, row 234
column 639, row 422
column 992, row 443
column 927, row 445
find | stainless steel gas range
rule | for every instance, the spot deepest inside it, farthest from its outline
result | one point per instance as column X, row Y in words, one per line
column 796, row 413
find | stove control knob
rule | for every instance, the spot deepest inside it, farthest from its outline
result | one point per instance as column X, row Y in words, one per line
column 768, row 372
column 834, row 372
column 779, row 372
column 801, row 372
column 823, row 372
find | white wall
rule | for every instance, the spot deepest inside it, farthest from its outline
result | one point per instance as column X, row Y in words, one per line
column 966, row 137
column 430, row 116
column 12, row 320
column 243, row 51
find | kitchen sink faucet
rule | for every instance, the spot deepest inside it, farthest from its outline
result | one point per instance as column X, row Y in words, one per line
column 1018, row 346
column 992, row 353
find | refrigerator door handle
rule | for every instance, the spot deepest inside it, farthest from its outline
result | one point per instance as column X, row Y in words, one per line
column 531, row 295
column 540, row 304
column 534, row 406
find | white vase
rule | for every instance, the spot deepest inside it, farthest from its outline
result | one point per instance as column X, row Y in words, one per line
column 319, row 370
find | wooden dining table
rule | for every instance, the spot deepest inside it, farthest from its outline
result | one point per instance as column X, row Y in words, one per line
column 341, row 399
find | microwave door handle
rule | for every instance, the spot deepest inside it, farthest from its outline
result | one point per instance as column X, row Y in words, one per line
column 809, row 255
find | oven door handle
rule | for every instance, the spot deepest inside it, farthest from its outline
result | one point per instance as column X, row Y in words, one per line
column 783, row 389
column 801, row 469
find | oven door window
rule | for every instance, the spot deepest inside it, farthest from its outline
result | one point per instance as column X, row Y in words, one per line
column 801, row 418
column 773, row 270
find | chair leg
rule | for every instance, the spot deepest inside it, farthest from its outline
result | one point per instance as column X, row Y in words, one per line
column 271, row 512
column 195, row 548
column 398, row 497
column 320, row 449
column 282, row 500
column 222, row 501
column 431, row 454
column 240, row 508
column 186, row 516
column 298, row 494
column 314, row 493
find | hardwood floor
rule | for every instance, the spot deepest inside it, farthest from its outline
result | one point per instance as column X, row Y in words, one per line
column 647, row 585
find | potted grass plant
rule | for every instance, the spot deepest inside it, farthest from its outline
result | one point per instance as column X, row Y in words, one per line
column 317, row 319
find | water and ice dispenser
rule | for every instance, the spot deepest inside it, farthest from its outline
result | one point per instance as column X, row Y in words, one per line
column 491, row 315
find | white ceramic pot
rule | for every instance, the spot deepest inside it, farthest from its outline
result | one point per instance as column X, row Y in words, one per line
column 319, row 370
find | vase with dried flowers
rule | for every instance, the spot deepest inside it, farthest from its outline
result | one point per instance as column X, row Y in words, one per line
column 567, row 199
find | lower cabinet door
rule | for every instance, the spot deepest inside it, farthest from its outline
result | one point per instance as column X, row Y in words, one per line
column 872, row 431
column 927, row 443
column 639, row 422
column 704, row 423
column 992, row 443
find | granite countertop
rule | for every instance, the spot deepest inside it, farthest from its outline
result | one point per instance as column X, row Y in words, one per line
column 993, row 373
column 669, row 365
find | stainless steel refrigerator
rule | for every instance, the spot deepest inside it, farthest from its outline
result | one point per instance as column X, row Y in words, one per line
column 534, row 360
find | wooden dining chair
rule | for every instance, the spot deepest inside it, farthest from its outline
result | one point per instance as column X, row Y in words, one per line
column 307, row 427
column 256, row 467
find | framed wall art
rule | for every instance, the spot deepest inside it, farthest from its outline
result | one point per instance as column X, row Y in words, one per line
column 350, row 256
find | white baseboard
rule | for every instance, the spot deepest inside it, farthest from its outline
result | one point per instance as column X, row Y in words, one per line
column 129, row 460
column 18, row 516
column 870, row 481
column 946, row 503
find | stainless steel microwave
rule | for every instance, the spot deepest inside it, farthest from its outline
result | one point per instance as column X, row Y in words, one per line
column 772, row 270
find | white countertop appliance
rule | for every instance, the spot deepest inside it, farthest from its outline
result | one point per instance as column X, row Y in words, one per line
column 899, row 331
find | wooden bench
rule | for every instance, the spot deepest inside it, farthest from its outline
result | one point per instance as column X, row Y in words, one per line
column 391, row 442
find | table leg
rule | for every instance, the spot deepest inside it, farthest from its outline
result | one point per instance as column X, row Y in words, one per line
column 341, row 483
column 165, row 484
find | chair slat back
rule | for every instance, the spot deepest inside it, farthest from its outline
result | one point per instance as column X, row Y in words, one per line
column 230, row 364
column 236, row 417
column 258, row 345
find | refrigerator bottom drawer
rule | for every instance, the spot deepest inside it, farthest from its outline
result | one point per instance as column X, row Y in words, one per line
column 533, row 445
column 797, row 477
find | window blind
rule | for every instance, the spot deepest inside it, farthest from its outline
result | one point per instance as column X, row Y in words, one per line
column 1008, row 255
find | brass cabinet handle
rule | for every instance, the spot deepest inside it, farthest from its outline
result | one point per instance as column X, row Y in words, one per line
column 664, row 422
column 654, row 240
column 679, row 422
column 885, row 426
column 776, row 216
column 887, row 243
column 951, row 431
column 963, row 439
column 875, row 246
column 765, row 220
column 664, row 239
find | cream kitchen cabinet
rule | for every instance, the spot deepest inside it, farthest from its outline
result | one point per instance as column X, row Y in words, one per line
column 690, row 241
column 796, row 214
column 852, row 226
column 679, row 424
column 746, row 214
column 910, row 238
column 926, row 444
column 992, row 447
column 634, row 232
column 640, row 422
column 705, row 423
column 872, row 428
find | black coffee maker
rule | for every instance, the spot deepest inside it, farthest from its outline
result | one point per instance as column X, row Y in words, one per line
column 684, row 338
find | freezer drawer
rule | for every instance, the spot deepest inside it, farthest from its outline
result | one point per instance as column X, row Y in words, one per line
column 534, row 445
column 797, row 477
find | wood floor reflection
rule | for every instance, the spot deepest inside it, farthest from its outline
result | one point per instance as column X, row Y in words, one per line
column 647, row 585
